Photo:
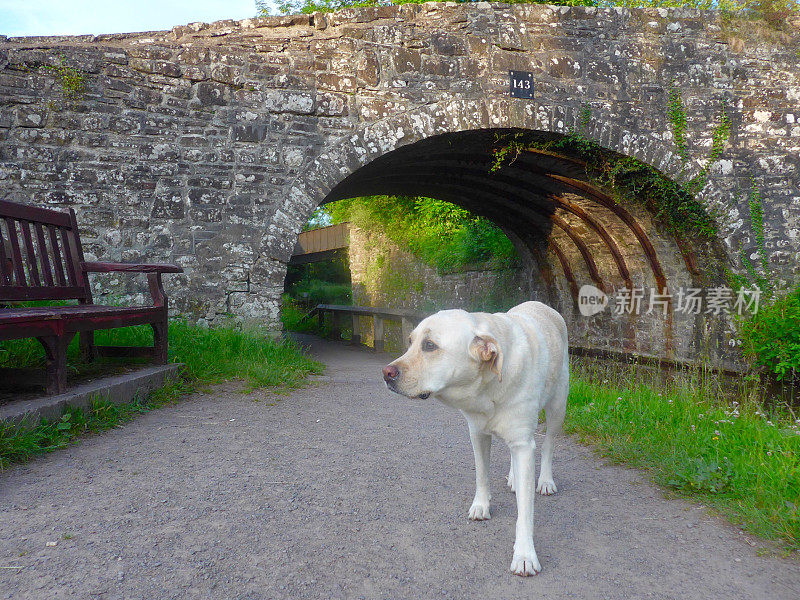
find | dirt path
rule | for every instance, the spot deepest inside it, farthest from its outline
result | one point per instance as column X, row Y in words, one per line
column 343, row 490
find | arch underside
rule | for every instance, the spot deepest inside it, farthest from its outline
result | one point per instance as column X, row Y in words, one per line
column 568, row 231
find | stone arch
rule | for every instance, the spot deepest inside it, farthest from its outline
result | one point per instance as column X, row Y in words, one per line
column 374, row 139
column 348, row 156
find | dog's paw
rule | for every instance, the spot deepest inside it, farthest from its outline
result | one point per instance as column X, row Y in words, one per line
column 479, row 511
column 546, row 487
column 525, row 565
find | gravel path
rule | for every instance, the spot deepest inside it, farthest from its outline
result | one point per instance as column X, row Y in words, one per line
column 343, row 490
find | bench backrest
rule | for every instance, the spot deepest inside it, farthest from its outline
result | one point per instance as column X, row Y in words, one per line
column 40, row 255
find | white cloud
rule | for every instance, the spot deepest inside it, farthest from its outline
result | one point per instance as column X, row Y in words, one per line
column 73, row 17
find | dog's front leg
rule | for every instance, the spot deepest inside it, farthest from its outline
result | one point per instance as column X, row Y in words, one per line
column 481, row 448
column 525, row 561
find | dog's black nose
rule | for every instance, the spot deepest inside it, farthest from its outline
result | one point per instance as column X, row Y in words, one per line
column 390, row 373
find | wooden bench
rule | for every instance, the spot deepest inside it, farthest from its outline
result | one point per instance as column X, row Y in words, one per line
column 408, row 320
column 41, row 259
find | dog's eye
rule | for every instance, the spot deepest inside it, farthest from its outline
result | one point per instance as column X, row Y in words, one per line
column 428, row 346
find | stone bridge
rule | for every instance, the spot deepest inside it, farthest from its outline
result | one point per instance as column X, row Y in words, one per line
column 209, row 145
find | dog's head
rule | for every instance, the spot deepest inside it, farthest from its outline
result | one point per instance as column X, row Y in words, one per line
column 445, row 350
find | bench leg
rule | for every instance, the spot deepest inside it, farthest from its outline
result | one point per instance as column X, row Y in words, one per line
column 160, row 343
column 377, row 334
column 160, row 328
column 55, row 349
column 88, row 351
column 355, row 340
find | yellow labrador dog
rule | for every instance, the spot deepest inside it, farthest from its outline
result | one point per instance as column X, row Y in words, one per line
column 499, row 370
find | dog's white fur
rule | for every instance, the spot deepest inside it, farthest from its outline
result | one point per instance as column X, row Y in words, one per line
column 500, row 370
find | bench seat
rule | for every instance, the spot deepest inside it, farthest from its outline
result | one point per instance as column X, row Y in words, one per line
column 16, row 324
column 74, row 319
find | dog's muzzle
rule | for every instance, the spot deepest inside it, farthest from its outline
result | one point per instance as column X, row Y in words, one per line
column 391, row 374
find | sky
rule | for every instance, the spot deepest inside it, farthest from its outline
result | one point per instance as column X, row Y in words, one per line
column 73, row 17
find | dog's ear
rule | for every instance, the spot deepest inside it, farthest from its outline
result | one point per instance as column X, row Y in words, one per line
column 485, row 348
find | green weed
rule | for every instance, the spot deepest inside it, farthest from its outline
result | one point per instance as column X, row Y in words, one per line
column 676, row 114
column 772, row 336
column 71, row 80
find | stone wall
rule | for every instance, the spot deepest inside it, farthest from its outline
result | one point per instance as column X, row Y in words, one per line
column 383, row 274
column 210, row 144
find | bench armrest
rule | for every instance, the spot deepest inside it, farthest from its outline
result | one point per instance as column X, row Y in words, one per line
column 153, row 271
column 108, row 267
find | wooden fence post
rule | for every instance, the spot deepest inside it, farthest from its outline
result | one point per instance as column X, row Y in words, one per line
column 377, row 331
column 406, row 327
column 356, row 339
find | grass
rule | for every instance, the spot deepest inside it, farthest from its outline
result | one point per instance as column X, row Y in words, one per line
column 210, row 355
column 316, row 291
column 295, row 318
column 739, row 458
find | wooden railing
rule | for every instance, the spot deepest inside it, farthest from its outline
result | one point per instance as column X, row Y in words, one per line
column 408, row 319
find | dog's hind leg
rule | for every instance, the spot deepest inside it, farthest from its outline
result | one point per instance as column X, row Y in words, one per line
column 555, row 410
column 510, row 478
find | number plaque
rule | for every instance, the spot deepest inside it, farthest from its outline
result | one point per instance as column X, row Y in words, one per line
column 520, row 84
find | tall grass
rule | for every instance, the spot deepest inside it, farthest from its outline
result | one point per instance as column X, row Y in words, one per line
column 295, row 318
column 740, row 458
column 211, row 355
